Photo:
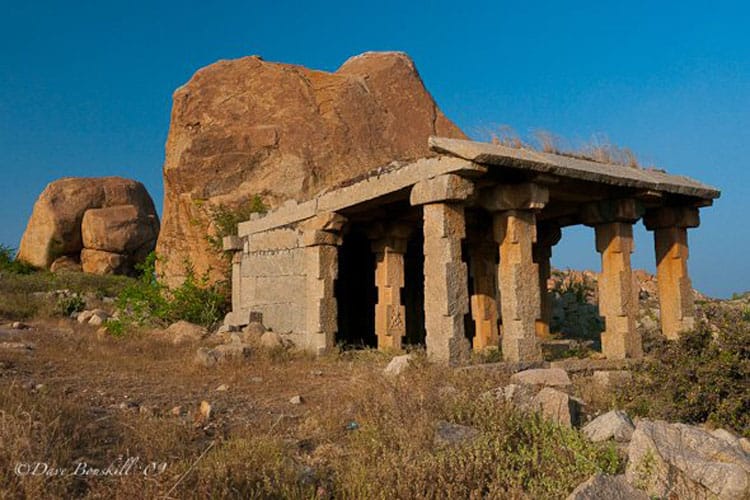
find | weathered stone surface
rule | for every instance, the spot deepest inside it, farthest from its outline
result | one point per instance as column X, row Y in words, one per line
column 676, row 307
column 66, row 264
column 120, row 229
column 603, row 487
column 397, row 365
column 449, row 187
column 553, row 377
column 246, row 126
column 449, row 434
column 271, row 340
column 54, row 228
column 100, row 262
column 517, row 396
column 183, row 332
column 557, row 406
column 611, row 379
column 518, row 277
column 612, row 425
column 684, row 461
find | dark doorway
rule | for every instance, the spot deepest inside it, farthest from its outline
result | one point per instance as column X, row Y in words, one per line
column 355, row 292
column 412, row 296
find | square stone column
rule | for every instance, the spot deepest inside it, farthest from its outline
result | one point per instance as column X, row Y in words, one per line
column 676, row 302
column 446, row 299
column 483, row 266
column 390, row 313
column 547, row 237
column 618, row 294
column 321, row 238
column 514, row 225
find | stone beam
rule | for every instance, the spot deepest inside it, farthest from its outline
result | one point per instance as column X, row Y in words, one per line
column 676, row 302
column 446, row 300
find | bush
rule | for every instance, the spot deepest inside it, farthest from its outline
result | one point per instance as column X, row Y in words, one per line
column 9, row 263
column 699, row 378
column 148, row 301
column 225, row 219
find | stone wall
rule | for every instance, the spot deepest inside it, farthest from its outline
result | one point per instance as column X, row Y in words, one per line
column 272, row 280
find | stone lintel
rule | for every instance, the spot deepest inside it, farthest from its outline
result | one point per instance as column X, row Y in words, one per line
column 441, row 189
column 315, row 238
column 605, row 211
column 664, row 217
column 327, row 221
column 526, row 196
column 232, row 243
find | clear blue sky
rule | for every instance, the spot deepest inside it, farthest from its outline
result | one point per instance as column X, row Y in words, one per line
column 85, row 88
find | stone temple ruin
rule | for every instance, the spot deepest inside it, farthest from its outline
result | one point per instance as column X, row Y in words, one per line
column 454, row 251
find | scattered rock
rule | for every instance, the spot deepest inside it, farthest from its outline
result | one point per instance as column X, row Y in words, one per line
column 66, row 264
column 17, row 325
column 603, row 487
column 611, row 379
column 448, row 434
column 254, row 329
column 557, row 406
column 16, row 346
column 517, row 396
column 683, row 461
column 101, row 262
column 84, row 316
column 398, row 365
column 206, row 357
column 176, row 411
column 222, row 388
column 183, row 332
column 271, row 340
column 553, row 377
column 203, row 415
column 612, row 425
column 296, row 400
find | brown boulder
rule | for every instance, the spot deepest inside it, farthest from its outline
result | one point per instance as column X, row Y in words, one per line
column 54, row 228
column 120, row 229
column 100, row 262
column 248, row 127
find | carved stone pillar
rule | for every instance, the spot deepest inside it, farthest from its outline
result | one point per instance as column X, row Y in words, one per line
column 390, row 314
column 677, row 308
column 446, row 298
column 483, row 267
column 618, row 294
column 321, row 239
column 547, row 237
column 514, row 225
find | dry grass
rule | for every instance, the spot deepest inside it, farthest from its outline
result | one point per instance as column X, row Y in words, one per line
column 358, row 434
column 598, row 149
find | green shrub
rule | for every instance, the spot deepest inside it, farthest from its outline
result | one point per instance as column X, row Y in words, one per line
column 69, row 304
column 9, row 263
column 226, row 219
column 148, row 301
column 702, row 377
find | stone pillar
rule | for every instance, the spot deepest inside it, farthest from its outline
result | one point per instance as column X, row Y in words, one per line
column 677, row 310
column 321, row 238
column 482, row 262
column 514, row 225
column 390, row 314
column 547, row 237
column 618, row 294
column 446, row 298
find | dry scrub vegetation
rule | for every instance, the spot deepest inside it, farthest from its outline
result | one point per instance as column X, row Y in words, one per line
column 358, row 433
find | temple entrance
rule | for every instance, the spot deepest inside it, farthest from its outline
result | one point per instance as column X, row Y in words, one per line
column 355, row 292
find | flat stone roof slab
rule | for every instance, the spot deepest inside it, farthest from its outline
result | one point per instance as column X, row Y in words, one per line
column 574, row 168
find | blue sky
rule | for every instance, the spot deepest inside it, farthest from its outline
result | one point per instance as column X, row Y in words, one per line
column 85, row 88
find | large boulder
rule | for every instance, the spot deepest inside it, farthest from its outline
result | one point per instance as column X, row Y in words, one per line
column 248, row 127
column 121, row 229
column 54, row 229
column 683, row 461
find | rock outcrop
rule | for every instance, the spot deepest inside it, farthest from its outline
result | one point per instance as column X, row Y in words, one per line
column 106, row 224
column 248, row 127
